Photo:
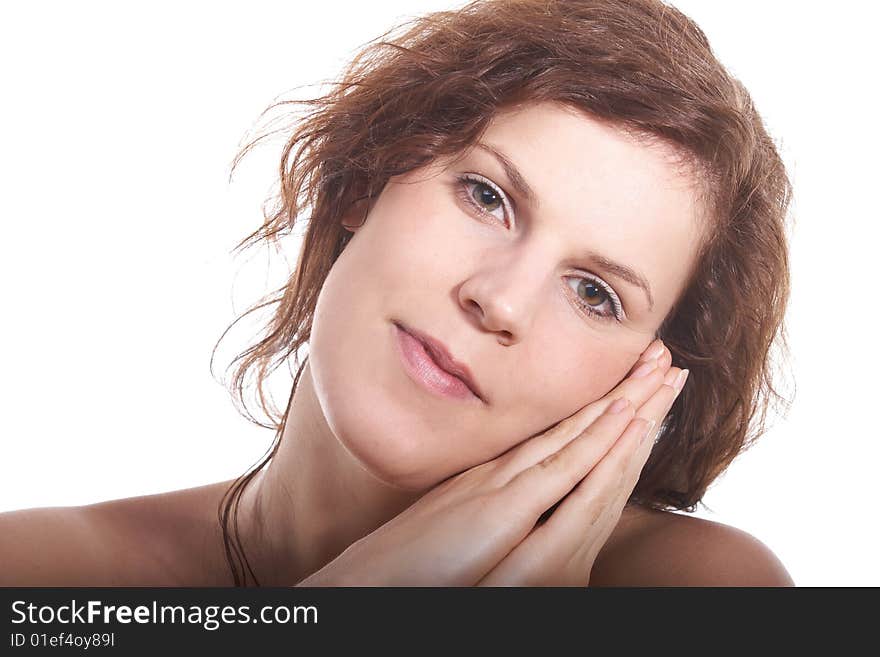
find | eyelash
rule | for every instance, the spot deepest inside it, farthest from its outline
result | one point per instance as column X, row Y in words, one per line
column 468, row 179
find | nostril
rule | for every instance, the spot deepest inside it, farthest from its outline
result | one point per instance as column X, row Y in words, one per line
column 505, row 338
column 473, row 305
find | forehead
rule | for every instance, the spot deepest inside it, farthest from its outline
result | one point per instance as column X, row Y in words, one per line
column 624, row 174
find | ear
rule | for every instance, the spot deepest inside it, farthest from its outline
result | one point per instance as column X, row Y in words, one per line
column 356, row 214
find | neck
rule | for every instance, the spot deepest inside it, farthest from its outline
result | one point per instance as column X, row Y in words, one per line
column 312, row 500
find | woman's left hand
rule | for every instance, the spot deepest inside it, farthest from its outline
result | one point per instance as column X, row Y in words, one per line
column 561, row 550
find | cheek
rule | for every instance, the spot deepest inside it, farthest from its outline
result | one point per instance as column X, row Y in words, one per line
column 574, row 371
column 594, row 370
column 397, row 265
column 596, row 376
column 407, row 249
column 397, row 434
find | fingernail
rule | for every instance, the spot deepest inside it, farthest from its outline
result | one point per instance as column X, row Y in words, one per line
column 645, row 369
column 619, row 404
column 671, row 377
column 654, row 351
column 648, row 431
column 682, row 377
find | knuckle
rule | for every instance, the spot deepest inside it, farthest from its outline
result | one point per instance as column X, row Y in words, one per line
column 670, row 391
column 493, row 472
column 596, row 504
column 553, row 461
column 609, row 497
column 563, row 426
column 487, row 502
column 575, row 424
column 598, row 508
column 606, row 497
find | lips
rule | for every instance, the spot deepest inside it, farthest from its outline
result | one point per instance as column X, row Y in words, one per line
column 444, row 359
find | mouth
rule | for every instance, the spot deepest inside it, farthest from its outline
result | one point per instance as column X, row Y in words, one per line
column 431, row 364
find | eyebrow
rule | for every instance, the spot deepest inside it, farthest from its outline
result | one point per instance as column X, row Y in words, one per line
column 610, row 266
column 624, row 272
column 516, row 178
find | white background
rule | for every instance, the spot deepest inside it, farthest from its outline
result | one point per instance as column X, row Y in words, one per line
column 118, row 123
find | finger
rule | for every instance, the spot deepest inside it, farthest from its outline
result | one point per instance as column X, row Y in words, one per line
column 665, row 399
column 632, row 386
column 658, row 405
column 598, row 500
column 656, row 350
column 550, row 547
column 571, row 538
column 665, row 359
column 597, row 495
column 543, row 483
column 637, row 389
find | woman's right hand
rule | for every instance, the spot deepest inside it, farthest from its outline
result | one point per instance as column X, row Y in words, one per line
column 460, row 530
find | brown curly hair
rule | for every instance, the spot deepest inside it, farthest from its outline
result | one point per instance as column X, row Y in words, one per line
column 429, row 88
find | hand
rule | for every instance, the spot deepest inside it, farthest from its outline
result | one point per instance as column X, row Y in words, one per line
column 480, row 525
column 561, row 551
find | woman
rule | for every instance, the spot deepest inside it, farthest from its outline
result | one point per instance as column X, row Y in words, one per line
column 520, row 215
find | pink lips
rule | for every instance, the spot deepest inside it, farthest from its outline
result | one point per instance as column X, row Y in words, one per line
column 428, row 363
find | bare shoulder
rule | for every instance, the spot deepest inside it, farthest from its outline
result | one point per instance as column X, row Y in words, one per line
column 164, row 539
column 661, row 548
column 35, row 546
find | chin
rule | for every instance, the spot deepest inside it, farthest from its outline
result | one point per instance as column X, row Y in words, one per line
column 397, row 459
column 385, row 433
column 389, row 442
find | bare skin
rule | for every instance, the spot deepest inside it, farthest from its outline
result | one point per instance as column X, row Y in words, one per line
column 173, row 539
column 365, row 449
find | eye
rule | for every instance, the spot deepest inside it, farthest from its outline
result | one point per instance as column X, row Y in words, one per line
column 594, row 295
column 485, row 197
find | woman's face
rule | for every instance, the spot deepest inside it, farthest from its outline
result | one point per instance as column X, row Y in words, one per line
column 503, row 256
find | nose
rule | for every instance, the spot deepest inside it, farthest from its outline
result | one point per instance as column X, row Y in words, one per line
column 502, row 295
